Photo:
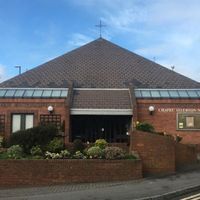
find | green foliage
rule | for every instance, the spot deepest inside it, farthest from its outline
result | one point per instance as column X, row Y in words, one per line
column 79, row 155
column 55, row 145
column 1, row 141
column 36, row 151
column 177, row 138
column 95, row 152
column 15, row 152
column 78, row 146
column 3, row 155
column 130, row 157
column 50, row 155
column 65, row 154
column 144, row 126
column 101, row 143
column 40, row 135
column 112, row 153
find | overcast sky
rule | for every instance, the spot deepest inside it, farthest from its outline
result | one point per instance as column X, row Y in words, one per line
column 35, row 31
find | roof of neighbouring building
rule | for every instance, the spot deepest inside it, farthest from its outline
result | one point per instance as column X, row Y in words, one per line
column 101, row 64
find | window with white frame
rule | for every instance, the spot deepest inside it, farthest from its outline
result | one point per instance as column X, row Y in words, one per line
column 21, row 121
column 188, row 121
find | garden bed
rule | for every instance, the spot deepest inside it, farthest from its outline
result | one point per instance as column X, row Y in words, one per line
column 16, row 173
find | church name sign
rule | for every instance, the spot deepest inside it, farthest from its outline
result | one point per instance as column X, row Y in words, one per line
column 27, row 104
column 167, row 110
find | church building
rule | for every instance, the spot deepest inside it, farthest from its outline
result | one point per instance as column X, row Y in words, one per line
column 100, row 90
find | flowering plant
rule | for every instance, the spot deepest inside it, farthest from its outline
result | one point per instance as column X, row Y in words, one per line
column 50, row 155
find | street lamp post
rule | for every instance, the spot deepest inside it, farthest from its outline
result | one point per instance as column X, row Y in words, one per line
column 20, row 69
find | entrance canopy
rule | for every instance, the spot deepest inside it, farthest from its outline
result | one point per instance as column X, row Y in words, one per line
column 89, row 101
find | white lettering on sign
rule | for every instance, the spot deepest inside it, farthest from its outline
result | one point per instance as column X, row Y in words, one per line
column 165, row 109
column 178, row 110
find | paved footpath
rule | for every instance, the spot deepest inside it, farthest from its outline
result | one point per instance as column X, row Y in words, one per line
column 141, row 189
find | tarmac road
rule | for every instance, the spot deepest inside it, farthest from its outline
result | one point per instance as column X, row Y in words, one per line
column 142, row 189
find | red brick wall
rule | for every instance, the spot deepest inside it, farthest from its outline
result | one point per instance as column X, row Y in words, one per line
column 157, row 152
column 161, row 154
column 165, row 121
column 35, row 106
column 47, row 172
column 185, row 155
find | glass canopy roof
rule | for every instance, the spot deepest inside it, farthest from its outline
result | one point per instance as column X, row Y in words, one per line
column 167, row 93
column 33, row 92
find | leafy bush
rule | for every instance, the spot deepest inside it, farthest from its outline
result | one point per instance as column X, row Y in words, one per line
column 177, row 138
column 50, row 155
column 130, row 157
column 15, row 152
column 112, row 153
column 65, row 154
column 36, row 151
column 101, row 143
column 3, row 155
column 78, row 146
column 1, row 141
column 40, row 135
column 95, row 152
column 133, row 155
column 55, row 145
column 79, row 155
column 144, row 126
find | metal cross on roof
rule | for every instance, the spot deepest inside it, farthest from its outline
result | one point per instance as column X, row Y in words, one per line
column 100, row 25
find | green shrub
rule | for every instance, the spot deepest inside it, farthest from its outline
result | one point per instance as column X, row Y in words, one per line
column 144, row 126
column 112, row 153
column 15, row 152
column 37, row 157
column 78, row 146
column 95, row 152
column 50, row 155
column 1, row 141
column 55, row 145
column 130, row 157
column 36, row 151
column 101, row 143
column 65, row 153
column 177, row 138
column 79, row 155
column 40, row 135
column 3, row 155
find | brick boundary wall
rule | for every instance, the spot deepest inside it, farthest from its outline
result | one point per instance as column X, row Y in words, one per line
column 185, row 155
column 15, row 173
column 161, row 154
column 156, row 152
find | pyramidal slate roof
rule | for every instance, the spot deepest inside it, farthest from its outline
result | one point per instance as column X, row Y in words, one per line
column 101, row 64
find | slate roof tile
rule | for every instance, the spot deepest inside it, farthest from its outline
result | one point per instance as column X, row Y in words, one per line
column 101, row 64
column 101, row 99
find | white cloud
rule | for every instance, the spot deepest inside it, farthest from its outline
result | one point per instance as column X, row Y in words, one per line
column 2, row 73
column 78, row 40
